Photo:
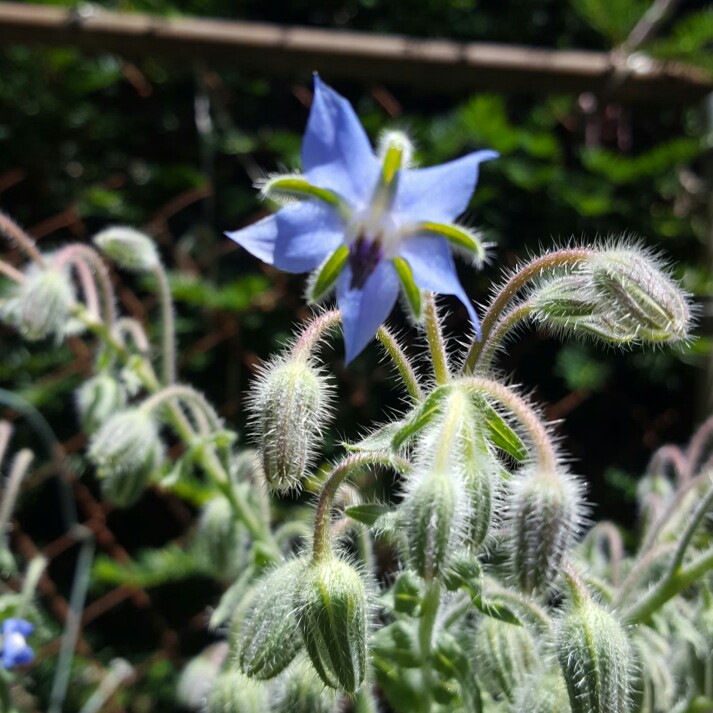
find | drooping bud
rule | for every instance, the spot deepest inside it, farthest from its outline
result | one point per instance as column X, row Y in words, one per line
column 542, row 694
column 505, row 654
column 596, row 658
column 39, row 307
column 640, row 294
column 433, row 520
column 126, row 450
column 289, row 408
column 199, row 674
column 233, row 692
column 544, row 516
column 331, row 606
column 128, row 248
column 266, row 634
column 303, row 692
column 220, row 540
column 99, row 398
column 564, row 301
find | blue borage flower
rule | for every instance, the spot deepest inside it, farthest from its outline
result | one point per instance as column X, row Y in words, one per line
column 366, row 222
column 14, row 649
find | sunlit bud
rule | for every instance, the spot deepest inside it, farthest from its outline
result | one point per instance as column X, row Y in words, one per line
column 505, row 654
column 433, row 519
column 289, row 408
column 128, row 248
column 99, row 398
column 596, row 658
column 233, row 692
column 198, row 675
column 125, row 451
column 220, row 540
column 542, row 694
column 564, row 299
column 545, row 513
column 266, row 633
column 302, row 691
column 331, row 606
column 39, row 307
column 639, row 293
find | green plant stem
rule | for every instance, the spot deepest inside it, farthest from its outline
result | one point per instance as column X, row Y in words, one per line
column 436, row 342
column 168, row 350
column 397, row 355
column 509, row 291
column 510, row 321
column 188, row 394
column 322, row 544
column 429, row 611
column 546, row 455
column 18, row 470
column 314, row 332
column 5, row 700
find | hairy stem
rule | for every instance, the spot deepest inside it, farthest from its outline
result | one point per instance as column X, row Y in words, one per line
column 429, row 611
column 512, row 319
column 397, row 355
column 11, row 230
column 12, row 272
column 18, row 470
column 168, row 350
column 314, row 332
column 436, row 342
column 560, row 258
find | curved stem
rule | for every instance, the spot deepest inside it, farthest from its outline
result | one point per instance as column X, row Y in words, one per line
column 13, row 231
column 129, row 326
column 527, row 416
column 397, row 355
column 12, row 272
column 89, row 288
column 322, row 545
column 314, row 332
column 497, row 337
column 168, row 350
column 560, row 258
column 183, row 393
column 20, row 466
column 436, row 343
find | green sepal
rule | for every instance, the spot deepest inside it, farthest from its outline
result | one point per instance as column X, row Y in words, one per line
column 500, row 434
column 379, row 440
column 420, row 417
column 367, row 513
column 407, row 593
column 328, row 273
column 457, row 236
column 411, row 291
column 297, row 186
column 392, row 162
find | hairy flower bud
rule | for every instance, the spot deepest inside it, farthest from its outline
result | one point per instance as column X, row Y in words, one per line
column 303, row 692
column 39, row 307
column 639, row 294
column 596, row 658
column 564, row 299
column 220, row 539
column 331, row 606
column 542, row 694
column 99, row 398
column 267, row 634
column 433, row 522
column 289, row 408
column 128, row 248
column 505, row 653
column 126, row 450
column 234, row 692
column 544, row 516
column 199, row 674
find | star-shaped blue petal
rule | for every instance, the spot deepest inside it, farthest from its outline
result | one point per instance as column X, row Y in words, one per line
column 367, row 224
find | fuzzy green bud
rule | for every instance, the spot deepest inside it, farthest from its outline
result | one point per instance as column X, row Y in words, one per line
column 266, row 634
column 596, row 658
column 99, row 398
column 234, row 692
column 505, row 653
column 432, row 513
column 564, row 299
column 128, row 248
column 303, row 692
column 639, row 295
column 331, row 606
column 289, row 408
column 544, row 516
column 542, row 694
column 220, row 540
column 125, row 451
column 199, row 674
column 39, row 307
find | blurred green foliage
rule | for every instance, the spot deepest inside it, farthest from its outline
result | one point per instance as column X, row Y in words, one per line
column 87, row 141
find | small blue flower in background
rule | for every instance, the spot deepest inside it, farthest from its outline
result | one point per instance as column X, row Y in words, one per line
column 366, row 222
column 15, row 651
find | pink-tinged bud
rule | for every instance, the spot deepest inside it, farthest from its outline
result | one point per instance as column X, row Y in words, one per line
column 98, row 399
column 289, row 407
column 545, row 513
column 128, row 248
column 331, row 607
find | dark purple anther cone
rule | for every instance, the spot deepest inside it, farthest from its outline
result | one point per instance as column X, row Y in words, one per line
column 364, row 256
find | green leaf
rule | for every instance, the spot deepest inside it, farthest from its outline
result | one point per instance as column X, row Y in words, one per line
column 297, row 186
column 367, row 513
column 328, row 273
column 411, row 290
column 421, row 416
column 495, row 610
column 500, row 434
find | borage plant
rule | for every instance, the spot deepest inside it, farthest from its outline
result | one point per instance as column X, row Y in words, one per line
column 500, row 601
